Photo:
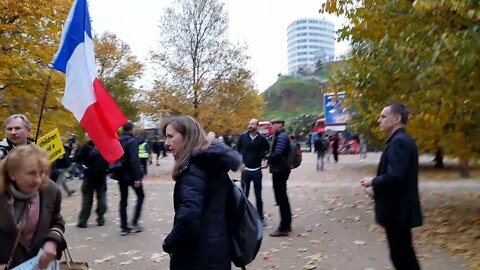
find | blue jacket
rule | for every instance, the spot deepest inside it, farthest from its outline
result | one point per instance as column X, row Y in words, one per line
column 277, row 159
column 199, row 239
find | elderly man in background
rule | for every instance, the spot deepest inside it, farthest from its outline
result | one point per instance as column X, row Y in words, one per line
column 17, row 128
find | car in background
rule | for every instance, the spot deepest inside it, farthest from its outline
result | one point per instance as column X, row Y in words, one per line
column 265, row 128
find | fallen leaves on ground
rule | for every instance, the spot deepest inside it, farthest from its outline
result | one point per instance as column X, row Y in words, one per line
column 452, row 222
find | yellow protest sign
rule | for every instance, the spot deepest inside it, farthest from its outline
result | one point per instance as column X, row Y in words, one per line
column 53, row 144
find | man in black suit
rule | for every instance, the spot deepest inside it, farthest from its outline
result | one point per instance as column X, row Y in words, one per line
column 395, row 188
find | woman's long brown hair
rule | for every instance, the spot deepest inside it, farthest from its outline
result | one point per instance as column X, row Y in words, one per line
column 194, row 136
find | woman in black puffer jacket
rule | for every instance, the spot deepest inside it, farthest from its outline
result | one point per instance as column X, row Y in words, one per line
column 199, row 239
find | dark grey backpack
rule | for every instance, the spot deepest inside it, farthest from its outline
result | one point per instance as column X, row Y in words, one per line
column 246, row 228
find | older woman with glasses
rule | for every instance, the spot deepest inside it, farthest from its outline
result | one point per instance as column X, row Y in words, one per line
column 29, row 209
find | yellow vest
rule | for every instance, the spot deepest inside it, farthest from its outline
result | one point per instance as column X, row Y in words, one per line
column 142, row 150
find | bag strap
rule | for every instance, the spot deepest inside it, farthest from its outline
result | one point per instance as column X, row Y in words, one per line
column 23, row 222
column 66, row 251
column 68, row 257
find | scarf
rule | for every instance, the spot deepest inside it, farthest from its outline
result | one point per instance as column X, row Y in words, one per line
column 31, row 204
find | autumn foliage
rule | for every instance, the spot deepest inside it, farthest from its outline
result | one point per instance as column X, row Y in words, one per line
column 423, row 53
column 199, row 71
column 29, row 37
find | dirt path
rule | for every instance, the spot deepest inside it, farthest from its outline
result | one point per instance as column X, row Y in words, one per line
column 333, row 223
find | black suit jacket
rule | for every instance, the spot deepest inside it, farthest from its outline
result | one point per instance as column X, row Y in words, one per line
column 397, row 201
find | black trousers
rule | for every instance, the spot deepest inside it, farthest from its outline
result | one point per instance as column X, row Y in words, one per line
column 280, row 191
column 402, row 253
column 256, row 177
column 143, row 162
column 124, row 185
column 335, row 154
column 93, row 182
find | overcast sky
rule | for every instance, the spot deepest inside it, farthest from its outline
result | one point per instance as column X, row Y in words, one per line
column 261, row 24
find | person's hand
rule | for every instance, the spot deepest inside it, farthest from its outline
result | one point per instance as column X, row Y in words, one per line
column 366, row 182
column 137, row 184
column 49, row 254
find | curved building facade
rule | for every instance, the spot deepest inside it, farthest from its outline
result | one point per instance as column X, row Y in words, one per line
column 309, row 40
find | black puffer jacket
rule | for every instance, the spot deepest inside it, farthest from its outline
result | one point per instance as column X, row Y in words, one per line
column 277, row 160
column 199, row 239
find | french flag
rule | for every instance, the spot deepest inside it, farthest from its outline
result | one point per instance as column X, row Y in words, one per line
column 84, row 94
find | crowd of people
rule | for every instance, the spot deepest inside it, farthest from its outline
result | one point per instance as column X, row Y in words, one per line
column 199, row 238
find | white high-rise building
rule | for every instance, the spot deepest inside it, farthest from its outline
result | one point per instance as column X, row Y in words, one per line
column 309, row 40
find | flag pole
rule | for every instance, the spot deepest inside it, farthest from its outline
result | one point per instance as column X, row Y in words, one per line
column 47, row 86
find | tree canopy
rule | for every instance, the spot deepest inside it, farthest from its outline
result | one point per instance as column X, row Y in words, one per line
column 200, row 72
column 118, row 69
column 29, row 36
column 422, row 53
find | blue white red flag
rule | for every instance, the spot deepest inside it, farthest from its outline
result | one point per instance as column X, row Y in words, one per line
column 84, row 94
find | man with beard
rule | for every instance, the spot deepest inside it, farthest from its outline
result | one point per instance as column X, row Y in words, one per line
column 253, row 147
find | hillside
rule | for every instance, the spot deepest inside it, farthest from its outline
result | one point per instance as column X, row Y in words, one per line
column 290, row 97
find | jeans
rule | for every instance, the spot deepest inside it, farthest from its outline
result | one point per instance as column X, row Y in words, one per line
column 256, row 176
column 280, row 192
column 320, row 156
column 124, row 185
column 402, row 253
column 93, row 182
column 62, row 179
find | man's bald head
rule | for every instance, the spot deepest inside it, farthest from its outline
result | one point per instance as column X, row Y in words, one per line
column 253, row 125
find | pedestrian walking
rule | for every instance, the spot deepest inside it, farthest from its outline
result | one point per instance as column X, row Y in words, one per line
column 131, row 176
column 320, row 146
column 143, row 153
column 199, row 238
column 277, row 161
column 395, row 188
column 335, row 144
column 253, row 147
column 61, row 169
column 156, row 148
column 94, row 181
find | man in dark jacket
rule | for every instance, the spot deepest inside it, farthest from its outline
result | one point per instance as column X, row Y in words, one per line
column 95, row 181
column 131, row 177
column 397, row 203
column 277, row 160
column 253, row 147
column 336, row 142
column 17, row 128
column 321, row 146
